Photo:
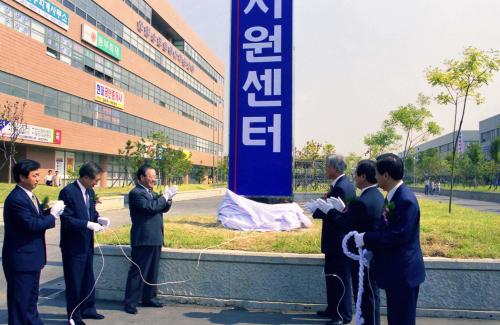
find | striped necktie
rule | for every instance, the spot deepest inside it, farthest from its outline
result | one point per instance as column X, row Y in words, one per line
column 35, row 202
column 87, row 202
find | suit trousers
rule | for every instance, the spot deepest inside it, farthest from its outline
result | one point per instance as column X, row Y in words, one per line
column 402, row 305
column 148, row 260
column 79, row 280
column 370, row 303
column 339, row 286
column 22, row 297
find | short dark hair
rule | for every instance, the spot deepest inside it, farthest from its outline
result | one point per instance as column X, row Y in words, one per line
column 391, row 164
column 142, row 170
column 367, row 167
column 90, row 169
column 24, row 167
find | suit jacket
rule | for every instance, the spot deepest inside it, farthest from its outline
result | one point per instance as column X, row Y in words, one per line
column 76, row 239
column 398, row 256
column 331, row 236
column 24, row 239
column 146, row 213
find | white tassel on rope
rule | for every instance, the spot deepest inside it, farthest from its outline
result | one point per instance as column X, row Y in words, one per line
column 364, row 259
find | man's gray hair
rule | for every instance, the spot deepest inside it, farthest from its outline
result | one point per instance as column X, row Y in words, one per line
column 337, row 161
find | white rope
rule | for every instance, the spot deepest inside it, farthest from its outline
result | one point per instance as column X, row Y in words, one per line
column 71, row 321
column 364, row 260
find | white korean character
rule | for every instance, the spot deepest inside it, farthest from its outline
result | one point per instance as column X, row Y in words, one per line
column 263, row 7
column 275, row 129
column 272, row 87
column 256, row 35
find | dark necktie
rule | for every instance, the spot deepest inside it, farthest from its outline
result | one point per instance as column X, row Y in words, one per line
column 87, row 202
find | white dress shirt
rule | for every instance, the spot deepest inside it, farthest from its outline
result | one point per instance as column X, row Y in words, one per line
column 84, row 191
column 367, row 188
column 390, row 194
column 336, row 180
column 30, row 195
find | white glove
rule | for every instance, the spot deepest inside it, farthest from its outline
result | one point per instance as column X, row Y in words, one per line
column 103, row 221
column 358, row 239
column 57, row 209
column 311, row 206
column 337, row 203
column 169, row 192
column 324, row 206
column 94, row 226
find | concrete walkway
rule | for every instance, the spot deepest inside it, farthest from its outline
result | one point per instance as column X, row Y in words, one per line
column 53, row 313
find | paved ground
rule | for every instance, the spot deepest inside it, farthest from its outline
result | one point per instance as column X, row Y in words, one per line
column 54, row 313
column 478, row 205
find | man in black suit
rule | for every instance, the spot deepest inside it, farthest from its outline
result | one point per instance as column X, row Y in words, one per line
column 78, row 223
column 337, row 265
column 146, row 238
column 399, row 265
column 364, row 214
column 24, row 254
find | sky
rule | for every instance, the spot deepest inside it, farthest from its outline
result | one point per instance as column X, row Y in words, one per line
column 356, row 60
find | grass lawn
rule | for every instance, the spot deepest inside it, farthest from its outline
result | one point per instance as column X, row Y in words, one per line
column 42, row 191
column 466, row 233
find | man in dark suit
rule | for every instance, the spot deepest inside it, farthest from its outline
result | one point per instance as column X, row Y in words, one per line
column 78, row 223
column 338, row 290
column 23, row 252
column 146, row 239
column 399, row 265
column 363, row 214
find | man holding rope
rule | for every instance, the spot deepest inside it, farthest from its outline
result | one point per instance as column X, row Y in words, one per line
column 363, row 214
column 146, row 239
column 399, row 265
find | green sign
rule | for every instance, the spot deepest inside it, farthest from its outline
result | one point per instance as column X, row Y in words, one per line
column 101, row 41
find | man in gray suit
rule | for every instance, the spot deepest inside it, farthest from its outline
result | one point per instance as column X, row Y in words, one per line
column 146, row 238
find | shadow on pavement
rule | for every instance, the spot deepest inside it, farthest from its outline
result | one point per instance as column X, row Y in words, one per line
column 238, row 315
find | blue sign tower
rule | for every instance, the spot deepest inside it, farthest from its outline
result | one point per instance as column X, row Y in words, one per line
column 260, row 138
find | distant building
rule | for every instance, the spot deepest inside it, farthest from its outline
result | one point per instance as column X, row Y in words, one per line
column 489, row 130
column 444, row 143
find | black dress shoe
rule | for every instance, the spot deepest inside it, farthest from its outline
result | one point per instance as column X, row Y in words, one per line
column 152, row 303
column 93, row 316
column 130, row 310
column 324, row 314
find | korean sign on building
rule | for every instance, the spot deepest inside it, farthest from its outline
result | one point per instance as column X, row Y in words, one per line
column 49, row 11
column 101, row 42
column 157, row 40
column 32, row 133
column 110, row 96
column 260, row 150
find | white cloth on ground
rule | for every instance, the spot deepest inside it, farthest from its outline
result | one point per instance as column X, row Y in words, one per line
column 239, row 213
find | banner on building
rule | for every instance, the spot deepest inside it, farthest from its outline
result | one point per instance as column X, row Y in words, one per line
column 109, row 96
column 260, row 150
column 32, row 133
column 48, row 10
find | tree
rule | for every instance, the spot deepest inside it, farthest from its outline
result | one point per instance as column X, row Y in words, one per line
column 352, row 161
column 495, row 157
column 12, row 125
column 156, row 151
column 222, row 168
column 476, row 157
column 328, row 149
column 381, row 141
column 461, row 81
column 413, row 121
